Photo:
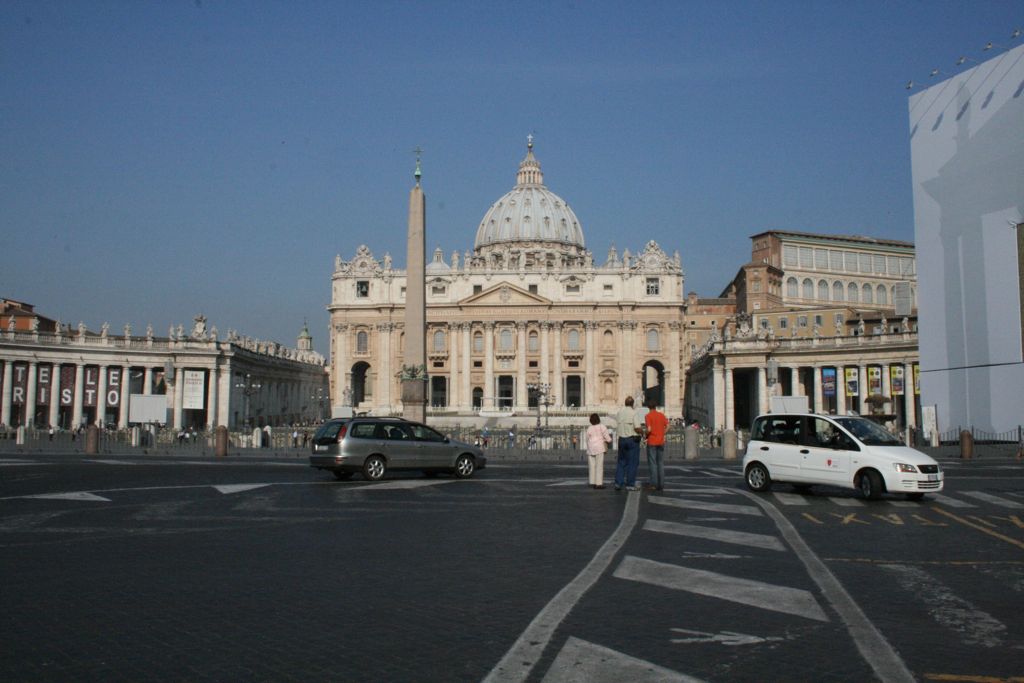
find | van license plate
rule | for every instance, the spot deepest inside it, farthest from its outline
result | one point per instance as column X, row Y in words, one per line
column 321, row 448
column 933, row 477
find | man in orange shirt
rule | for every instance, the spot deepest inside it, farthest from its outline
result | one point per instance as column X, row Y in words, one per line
column 656, row 425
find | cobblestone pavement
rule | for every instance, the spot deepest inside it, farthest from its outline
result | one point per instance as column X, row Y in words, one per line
column 160, row 568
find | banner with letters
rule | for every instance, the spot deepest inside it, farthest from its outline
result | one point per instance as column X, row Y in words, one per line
column 852, row 382
column 193, row 387
column 20, row 383
column 43, row 383
column 90, row 386
column 896, row 380
column 67, row 385
column 114, row 376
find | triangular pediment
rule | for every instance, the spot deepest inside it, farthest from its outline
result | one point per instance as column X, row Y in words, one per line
column 505, row 294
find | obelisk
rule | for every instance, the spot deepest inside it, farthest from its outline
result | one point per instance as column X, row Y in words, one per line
column 414, row 359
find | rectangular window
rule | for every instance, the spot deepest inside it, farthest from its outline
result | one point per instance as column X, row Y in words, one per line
column 533, row 363
column 906, row 266
column 533, row 289
column 851, row 262
column 608, row 288
column 478, row 364
column 783, row 323
column 477, row 289
column 835, row 259
column 789, row 256
column 821, row 259
column 437, row 290
column 574, row 364
column 865, row 263
column 879, row 264
column 818, row 321
column 572, row 289
column 839, row 318
column 892, row 264
column 806, row 257
column 653, row 286
column 438, row 363
column 362, row 288
column 801, row 321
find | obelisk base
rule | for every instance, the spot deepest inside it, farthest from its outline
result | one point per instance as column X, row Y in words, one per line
column 414, row 400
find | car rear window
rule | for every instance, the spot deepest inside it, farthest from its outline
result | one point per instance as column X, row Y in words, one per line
column 363, row 430
column 778, row 429
column 328, row 431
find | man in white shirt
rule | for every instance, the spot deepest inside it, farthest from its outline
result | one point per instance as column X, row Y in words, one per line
column 630, row 427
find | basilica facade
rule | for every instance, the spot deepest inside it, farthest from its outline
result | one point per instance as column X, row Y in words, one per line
column 525, row 317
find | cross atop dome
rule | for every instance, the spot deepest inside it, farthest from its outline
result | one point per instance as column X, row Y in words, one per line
column 529, row 168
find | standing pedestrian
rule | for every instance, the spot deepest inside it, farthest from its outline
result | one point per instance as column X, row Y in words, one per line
column 656, row 425
column 629, row 426
column 598, row 439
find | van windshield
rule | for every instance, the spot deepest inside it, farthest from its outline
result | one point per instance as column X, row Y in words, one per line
column 870, row 433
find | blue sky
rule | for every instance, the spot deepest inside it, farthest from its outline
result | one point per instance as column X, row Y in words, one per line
column 165, row 159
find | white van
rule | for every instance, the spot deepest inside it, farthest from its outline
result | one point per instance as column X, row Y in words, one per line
column 851, row 452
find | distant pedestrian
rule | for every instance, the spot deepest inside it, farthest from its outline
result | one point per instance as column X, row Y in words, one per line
column 598, row 438
column 51, row 433
column 630, row 427
column 511, row 438
column 656, row 424
column 295, row 439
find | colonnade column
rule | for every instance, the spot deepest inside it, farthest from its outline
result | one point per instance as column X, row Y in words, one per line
column 341, row 363
column 909, row 388
column 840, row 390
column 55, row 394
column 556, row 369
column 545, row 364
column 147, row 381
column 730, row 400
column 126, row 392
column 521, row 397
column 628, row 373
column 488, row 398
column 5, row 415
column 453, row 364
column 384, row 375
column 30, row 395
column 718, row 398
column 675, row 373
column 762, row 391
column 817, row 389
column 590, row 383
column 887, row 387
column 862, row 389
column 179, row 397
column 76, row 409
column 794, row 382
column 211, row 398
column 467, row 353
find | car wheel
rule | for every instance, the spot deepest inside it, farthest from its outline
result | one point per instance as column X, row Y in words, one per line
column 374, row 468
column 915, row 496
column 758, row 478
column 464, row 466
column 343, row 476
column 871, row 485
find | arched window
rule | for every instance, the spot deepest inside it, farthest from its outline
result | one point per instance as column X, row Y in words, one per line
column 505, row 339
column 362, row 342
column 867, row 294
column 534, row 342
column 609, row 340
column 822, row 290
column 478, row 342
column 438, row 340
column 882, row 295
column 573, row 340
column 808, row 289
column 653, row 342
column 792, row 288
column 853, row 292
column 838, row 291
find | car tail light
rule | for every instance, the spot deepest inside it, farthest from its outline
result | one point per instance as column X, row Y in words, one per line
column 341, row 432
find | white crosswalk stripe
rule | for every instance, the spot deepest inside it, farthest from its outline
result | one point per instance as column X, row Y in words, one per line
column 995, row 500
column 715, row 534
column 847, row 502
column 790, row 498
column 705, row 505
column 950, row 502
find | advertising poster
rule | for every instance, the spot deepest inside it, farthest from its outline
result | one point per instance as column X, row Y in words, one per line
column 852, row 382
column 90, row 386
column 192, row 386
column 114, row 387
column 1, row 384
column 874, row 380
column 828, row 382
column 896, row 379
column 67, row 385
column 917, row 379
column 43, row 385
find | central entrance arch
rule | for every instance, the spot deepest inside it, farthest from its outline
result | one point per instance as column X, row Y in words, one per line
column 361, row 389
column 653, row 382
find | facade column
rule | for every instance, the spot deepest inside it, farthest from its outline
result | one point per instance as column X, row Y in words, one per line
column 76, row 410
column 101, row 398
column 147, row 381
column 340, row 363
column 211, row 397
column 30, row 394
column 887, row 387
column 384, row 374
column 545, row 361
column 794, row 382
column 556, row 368
column 762, row 390
column 817, row 389
column 489, row 393
column 5, row 400
column 126, row 392
column 178, row 397
column 467, row 363
column 862, row 389
column 590, row 383
column 909, row 404
column 717, row 406
column 55, row 394
column 840, row 390
column 675, row 373
column 627, row 371
column 521, row 397
column 453, row 365
column 730, row 400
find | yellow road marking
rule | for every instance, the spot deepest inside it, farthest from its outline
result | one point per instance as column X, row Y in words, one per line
column 927, row 522
column 813, row 518
column 951, row 563
column 892, row 519
column 852, row 517
column 994, row 534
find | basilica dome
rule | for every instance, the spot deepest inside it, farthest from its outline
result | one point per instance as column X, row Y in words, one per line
column 530, row 214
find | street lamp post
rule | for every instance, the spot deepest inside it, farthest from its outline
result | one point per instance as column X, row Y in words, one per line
column 543, row 393
column 318, row 396
column 248, row 386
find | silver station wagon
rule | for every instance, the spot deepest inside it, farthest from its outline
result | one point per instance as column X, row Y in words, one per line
column 375, row 445
column 851, row 452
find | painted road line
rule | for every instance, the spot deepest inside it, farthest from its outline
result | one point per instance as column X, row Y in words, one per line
column 904, row 503
column 717, row 475
column 238, row 488
column 974, row 626
column 519, row 661
column 74, row 495
column 579, row 660
column 402, row 484
column 950, row 502
column 569, row 482
column 705, row 505
column 872, row 645
column 995, row 500
column 715, row 534
column 846, row 502
column 790, row 498
column 966, row 522
column 711, row 584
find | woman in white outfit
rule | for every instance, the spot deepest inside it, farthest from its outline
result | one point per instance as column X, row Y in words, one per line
column 598, row 438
